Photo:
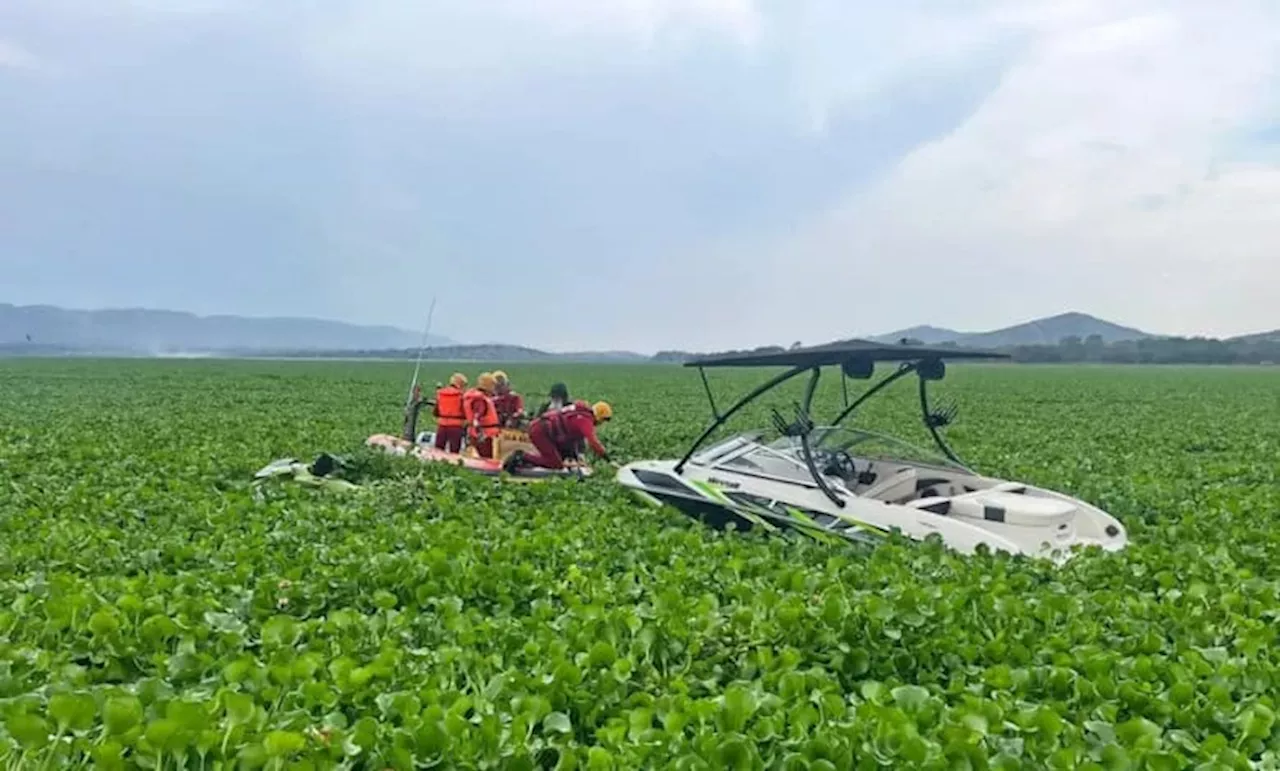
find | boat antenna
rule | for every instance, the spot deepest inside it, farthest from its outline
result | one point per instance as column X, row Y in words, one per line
column 426, row 332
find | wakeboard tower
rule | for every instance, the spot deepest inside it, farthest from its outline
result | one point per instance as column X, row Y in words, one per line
column 834, row 483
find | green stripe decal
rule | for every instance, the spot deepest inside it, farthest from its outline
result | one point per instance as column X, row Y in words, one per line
column 872, row 528
column 712, row 492
column 812, row 528
column 646, row 498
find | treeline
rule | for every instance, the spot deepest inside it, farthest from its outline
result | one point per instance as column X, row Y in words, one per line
column 482, row 352
column 53, row 350
column 679, row 357
column 1258, row 349
column 1153, row 350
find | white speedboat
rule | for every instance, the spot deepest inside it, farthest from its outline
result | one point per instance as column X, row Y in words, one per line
column 831, row 482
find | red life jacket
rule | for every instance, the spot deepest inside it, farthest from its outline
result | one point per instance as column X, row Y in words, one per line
column 509, row 405
column 449, row 412
column 482, row 417
column 557, row 426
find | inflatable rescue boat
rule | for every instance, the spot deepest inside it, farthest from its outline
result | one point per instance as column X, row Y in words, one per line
column 422, row 447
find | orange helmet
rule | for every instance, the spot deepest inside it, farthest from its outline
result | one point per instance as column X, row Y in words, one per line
column 602, row 411
column 458, row 380
column 486, row 382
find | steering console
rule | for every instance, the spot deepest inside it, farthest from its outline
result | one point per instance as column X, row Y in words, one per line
column 838, row 463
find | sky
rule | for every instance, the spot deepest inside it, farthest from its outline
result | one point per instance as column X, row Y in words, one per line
column 647, row 174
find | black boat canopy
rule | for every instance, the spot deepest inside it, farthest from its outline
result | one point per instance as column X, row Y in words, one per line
column 839, row 352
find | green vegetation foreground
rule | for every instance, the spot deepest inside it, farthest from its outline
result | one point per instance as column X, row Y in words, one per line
column 156, row 610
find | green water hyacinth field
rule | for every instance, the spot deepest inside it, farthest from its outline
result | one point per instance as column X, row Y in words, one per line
column 158, row 610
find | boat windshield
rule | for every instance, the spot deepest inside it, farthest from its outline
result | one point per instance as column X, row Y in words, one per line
column 868, row 445
column 767, row 461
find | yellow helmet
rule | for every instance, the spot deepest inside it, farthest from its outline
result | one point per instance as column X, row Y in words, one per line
column 602, row 411
column 485, row 382
column 458, row 380
column 500, row 376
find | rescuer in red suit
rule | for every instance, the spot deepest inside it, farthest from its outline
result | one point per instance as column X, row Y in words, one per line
column 557, row 432
column 510, row 405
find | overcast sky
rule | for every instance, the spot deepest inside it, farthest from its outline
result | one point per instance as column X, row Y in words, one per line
column 647, row 173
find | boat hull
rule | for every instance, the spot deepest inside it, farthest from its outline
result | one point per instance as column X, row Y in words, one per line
column 1004, row 516
column 424, row 451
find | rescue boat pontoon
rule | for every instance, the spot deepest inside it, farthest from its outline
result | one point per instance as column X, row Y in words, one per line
column 832, row 482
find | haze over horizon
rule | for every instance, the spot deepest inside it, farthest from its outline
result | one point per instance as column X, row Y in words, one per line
column 646, row 174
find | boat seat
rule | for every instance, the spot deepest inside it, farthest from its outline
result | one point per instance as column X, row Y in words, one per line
column 1003, row 506
column 839, row 485
column 937, row 504
column 894, row 488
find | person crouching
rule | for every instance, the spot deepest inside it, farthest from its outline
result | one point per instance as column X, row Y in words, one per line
column 557, row 433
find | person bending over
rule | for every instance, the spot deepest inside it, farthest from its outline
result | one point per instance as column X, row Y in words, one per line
column 556, row 434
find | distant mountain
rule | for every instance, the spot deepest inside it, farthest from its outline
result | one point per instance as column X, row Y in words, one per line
column 51, row 331
column 142, row 331
column 926, row 334
column 1046, row 331
column 618, row 357
column 1052, row 330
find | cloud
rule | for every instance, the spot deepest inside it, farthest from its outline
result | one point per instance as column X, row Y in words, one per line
column 443, row 49
column 15, row 56
column 649, row 173
column 1098, row 176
